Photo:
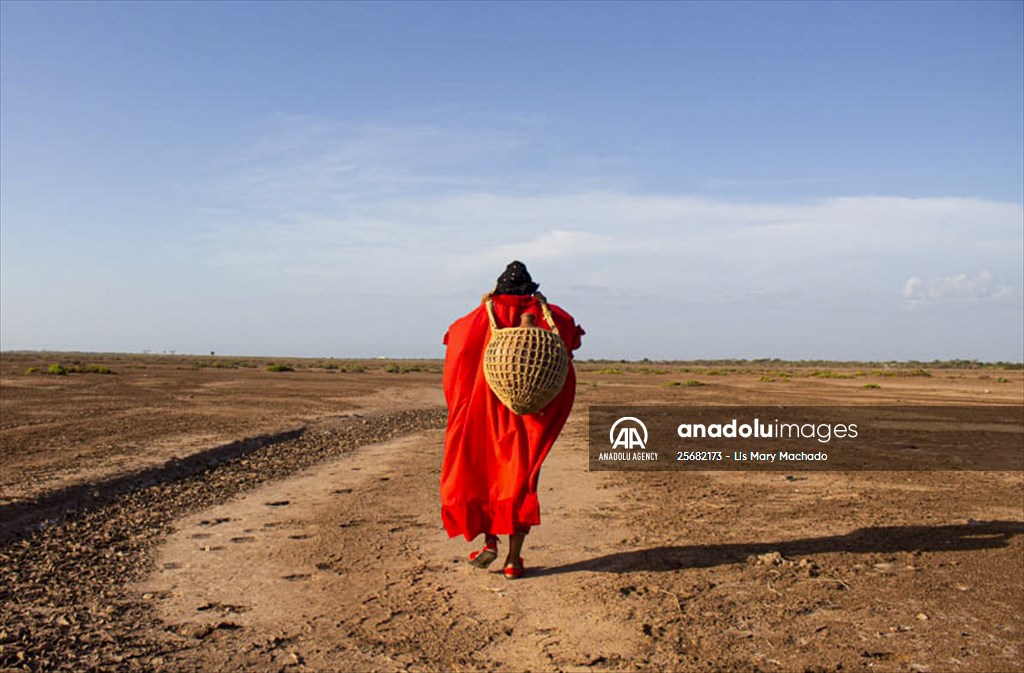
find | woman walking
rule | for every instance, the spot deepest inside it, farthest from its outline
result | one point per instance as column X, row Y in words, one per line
column 493, row 456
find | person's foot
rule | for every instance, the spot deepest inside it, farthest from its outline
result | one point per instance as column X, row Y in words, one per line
column 485, row 557
column 514, row 568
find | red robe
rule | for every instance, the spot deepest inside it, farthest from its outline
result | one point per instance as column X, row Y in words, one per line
column 492, row 457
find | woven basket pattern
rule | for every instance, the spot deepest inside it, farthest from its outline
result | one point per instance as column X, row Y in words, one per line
column 526, row 367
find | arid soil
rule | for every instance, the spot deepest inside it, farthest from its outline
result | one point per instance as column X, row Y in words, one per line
column 189, row 513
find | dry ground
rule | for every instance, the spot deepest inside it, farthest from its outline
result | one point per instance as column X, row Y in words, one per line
column 175, row 515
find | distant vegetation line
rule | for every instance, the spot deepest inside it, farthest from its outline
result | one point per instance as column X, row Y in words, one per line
column 357, row 364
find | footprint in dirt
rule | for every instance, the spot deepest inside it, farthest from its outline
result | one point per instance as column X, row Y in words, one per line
column 300, row 536
column 200, row 536
column 223, row 607
column 297, row 577
column 278, row 503
column 215, row 522
column 341, row 491
column 243, row 538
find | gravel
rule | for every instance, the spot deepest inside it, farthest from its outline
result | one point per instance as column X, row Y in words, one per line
column 63, row 578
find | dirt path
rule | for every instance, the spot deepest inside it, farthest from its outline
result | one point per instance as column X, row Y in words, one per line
column 320, row 548
column 345, row 567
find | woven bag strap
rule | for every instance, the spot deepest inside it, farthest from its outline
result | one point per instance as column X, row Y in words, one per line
column 550, row 319
column 488, row 299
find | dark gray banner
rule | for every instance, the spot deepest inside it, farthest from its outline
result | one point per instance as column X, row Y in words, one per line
column 781, row 439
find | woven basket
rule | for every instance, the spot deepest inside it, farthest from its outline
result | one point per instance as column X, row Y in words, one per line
column 525, row 366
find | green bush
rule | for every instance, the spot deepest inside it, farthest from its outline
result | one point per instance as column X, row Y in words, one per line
column 873, row 386
column 31, row 370
column 280, row 368
column 903, row 372
column 220, row 364
column 689, row 383
column 829, row 375
column 57, row 370
column 395, row 368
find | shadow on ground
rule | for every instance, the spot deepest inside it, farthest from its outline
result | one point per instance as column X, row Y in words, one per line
column 24, row 516
column 971, row 536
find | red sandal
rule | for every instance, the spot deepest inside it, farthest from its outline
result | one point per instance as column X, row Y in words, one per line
column 514, row 571
column 485, row 556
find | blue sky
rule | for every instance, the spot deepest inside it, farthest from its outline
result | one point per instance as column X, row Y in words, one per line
column 797, row 180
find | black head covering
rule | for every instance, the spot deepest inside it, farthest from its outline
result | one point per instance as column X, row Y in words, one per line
column 515, row 280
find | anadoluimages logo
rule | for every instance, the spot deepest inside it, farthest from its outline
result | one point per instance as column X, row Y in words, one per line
column 628, row 436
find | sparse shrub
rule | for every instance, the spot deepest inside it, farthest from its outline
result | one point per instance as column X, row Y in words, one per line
column 872, row 386
column 280, row 368
column 1002, row 379
column 216, row 364
column 57, row 370
column 608, row 371
column 767, row 379
column 903, row 372
column 395, row 368
column 689, row 383
column 31, row 370
column 97, row 369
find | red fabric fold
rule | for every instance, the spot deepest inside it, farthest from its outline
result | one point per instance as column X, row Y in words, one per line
column 492, row 457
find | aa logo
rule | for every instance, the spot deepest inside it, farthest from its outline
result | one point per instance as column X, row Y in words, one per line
column 628, row 436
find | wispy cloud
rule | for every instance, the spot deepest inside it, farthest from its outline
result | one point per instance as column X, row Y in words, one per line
column 738, row 183
column 959, row 288
column 419, row 215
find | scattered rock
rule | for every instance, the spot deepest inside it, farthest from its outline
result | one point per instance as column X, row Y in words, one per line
column 81, row 564
column 772, row 558
column 195, row 630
